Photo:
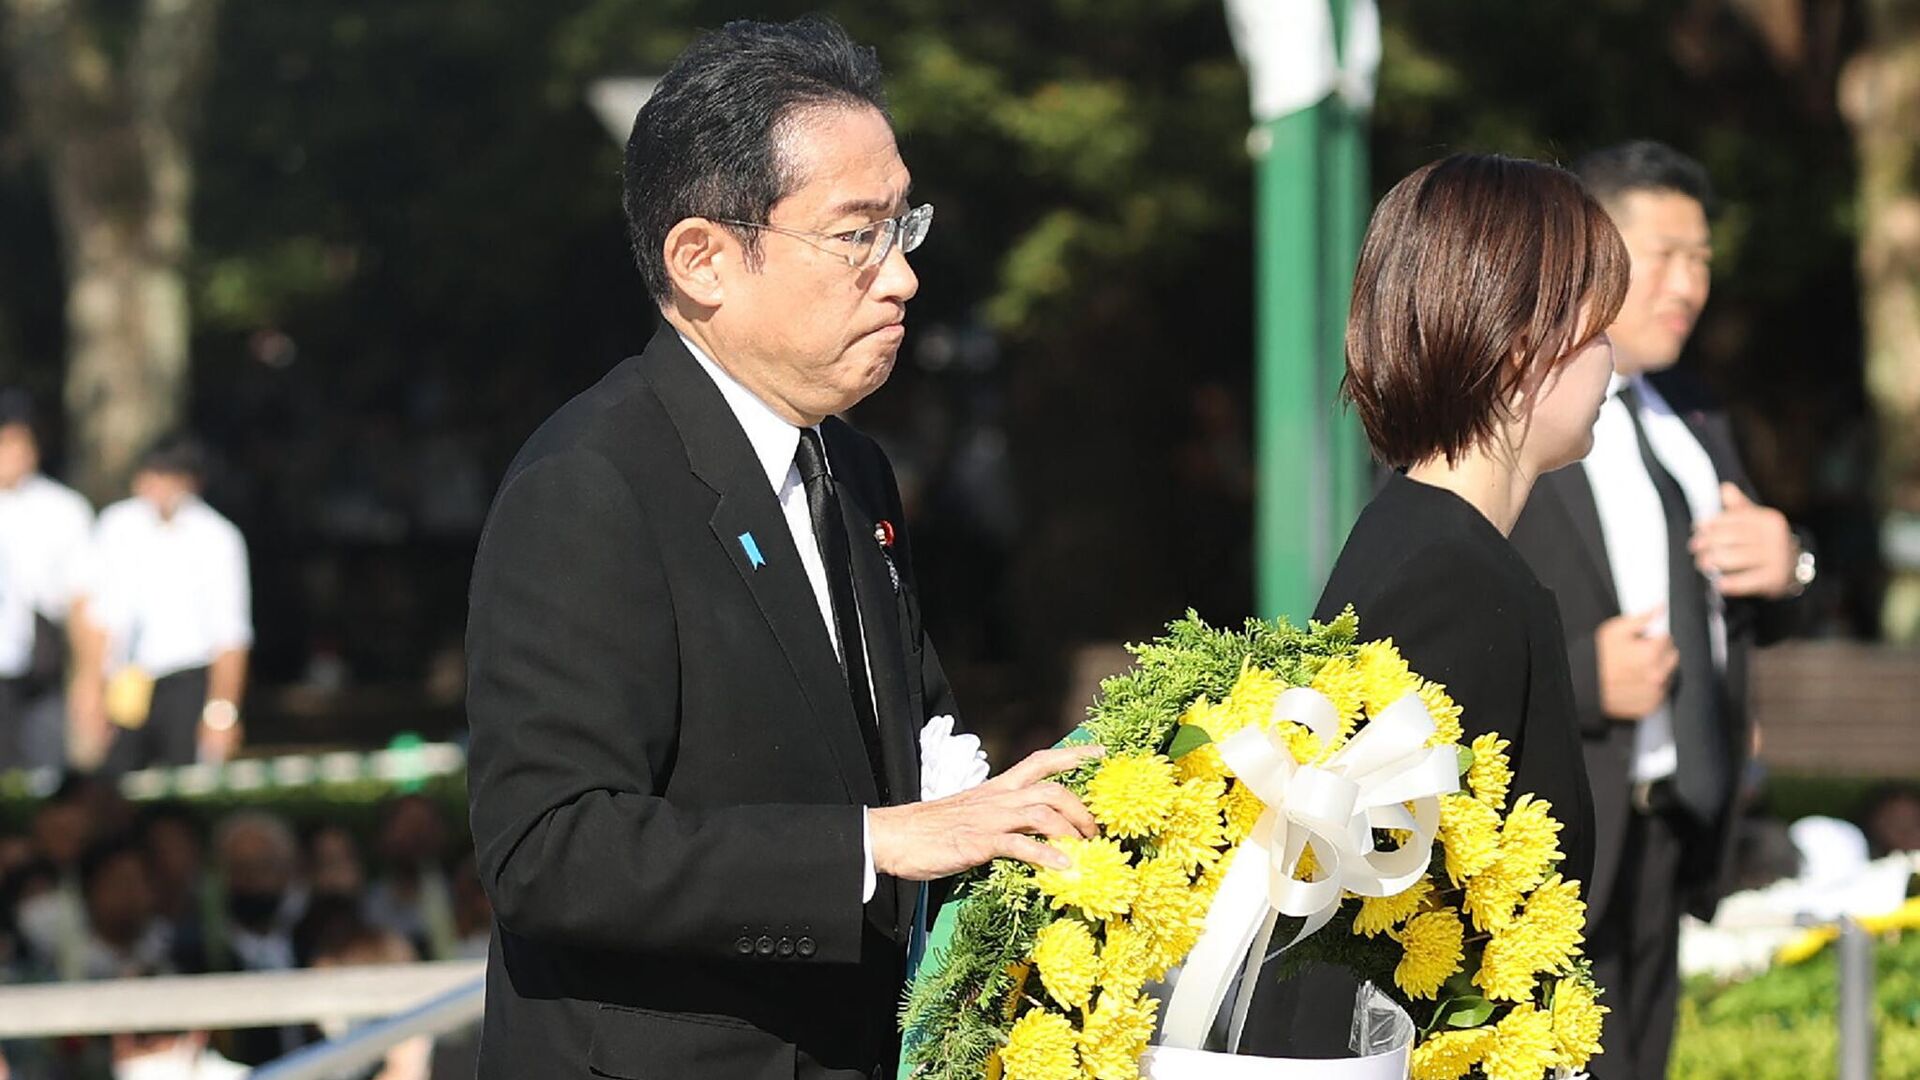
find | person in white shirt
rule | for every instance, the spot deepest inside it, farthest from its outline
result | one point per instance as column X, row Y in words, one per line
column 1667, row 571
column 167, row 605
column 43, row 529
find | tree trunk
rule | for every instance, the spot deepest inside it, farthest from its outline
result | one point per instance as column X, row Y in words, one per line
column 1880, row 97
column 115, row 135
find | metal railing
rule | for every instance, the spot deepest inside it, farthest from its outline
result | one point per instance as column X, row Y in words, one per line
column 218, row 1002
column 366, row 1046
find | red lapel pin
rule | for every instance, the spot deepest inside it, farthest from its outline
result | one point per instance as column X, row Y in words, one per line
column 883, row 532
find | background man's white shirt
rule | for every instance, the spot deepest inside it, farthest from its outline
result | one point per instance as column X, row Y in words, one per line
column 1635, row 530
column 43, row 537
column 172, row 594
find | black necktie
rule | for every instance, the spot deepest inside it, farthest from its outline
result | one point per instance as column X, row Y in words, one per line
column 830, row 532
column 1702, row 777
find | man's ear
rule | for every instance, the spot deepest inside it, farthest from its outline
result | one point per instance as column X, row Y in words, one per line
column 696, row 252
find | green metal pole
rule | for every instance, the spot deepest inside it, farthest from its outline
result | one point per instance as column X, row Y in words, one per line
column 1311, row 200
column 1347, row 206
column 1289, row 389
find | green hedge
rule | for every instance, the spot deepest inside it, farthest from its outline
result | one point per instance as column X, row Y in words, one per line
column 1782, row 1025
column 355, row 804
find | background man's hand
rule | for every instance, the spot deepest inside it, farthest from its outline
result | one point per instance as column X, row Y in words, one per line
column 1748, row 549
column 1002, row 817
column 1636, row 665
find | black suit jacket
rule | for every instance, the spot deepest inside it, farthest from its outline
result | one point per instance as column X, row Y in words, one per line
column 1560, row 536
column 1426, row 569
column 666, row 771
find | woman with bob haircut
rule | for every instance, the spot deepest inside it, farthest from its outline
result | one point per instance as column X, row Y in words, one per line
column 1477, row 359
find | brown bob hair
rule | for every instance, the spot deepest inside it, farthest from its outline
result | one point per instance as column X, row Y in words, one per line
column 1475, row 269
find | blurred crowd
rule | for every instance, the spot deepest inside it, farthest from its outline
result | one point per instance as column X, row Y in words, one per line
column 98, row 888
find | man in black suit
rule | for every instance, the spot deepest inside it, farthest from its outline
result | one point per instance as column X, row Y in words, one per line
column 697, row 664
column 1667, row 572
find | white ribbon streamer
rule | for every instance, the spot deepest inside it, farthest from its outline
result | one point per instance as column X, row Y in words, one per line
column 1385, row 777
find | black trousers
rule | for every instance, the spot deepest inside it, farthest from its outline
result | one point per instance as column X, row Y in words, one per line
column 171, row 735
column 13, row 723
column 1635, row 949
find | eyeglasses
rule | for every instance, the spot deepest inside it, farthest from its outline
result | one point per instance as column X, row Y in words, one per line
column 863, row 248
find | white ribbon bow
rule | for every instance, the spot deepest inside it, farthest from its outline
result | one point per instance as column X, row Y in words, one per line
column 1385, row 777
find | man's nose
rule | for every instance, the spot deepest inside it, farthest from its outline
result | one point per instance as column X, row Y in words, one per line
column 895, row 279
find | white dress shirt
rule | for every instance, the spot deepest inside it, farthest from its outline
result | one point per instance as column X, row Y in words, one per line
column 1635, row 530
column 775, row 442
column 172, row 594
column 43, row 534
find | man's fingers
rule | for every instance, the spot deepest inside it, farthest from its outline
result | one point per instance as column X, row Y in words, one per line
column 1043, row 820
column 1066, row 804
column 1031, row 851
column 1044, row 763
column 1732, row 497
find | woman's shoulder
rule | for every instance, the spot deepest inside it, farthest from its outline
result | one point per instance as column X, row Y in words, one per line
column 1415, row 534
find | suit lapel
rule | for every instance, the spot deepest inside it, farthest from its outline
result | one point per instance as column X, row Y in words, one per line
column 1572, row 492
column 747, row 517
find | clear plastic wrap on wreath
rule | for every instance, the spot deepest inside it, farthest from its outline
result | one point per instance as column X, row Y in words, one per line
column 1381, row 1041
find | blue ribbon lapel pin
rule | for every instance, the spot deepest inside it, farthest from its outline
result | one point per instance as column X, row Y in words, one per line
column 752, row 548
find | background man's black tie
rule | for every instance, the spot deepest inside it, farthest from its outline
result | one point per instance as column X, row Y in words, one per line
column 1702, row 779
column 830, row 532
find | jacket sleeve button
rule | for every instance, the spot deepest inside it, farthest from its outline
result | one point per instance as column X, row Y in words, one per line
column 786, row 947
column 744, row 946
column 764, row 946
column 804, row 947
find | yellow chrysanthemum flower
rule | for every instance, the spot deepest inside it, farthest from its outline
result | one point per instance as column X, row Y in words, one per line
column 1204, row 763
column 1195, row 831
column 1445, row 713
column 1164, row 950
column 1198, row 713
column 1577, row 1022
column 1041, row 1046
column 1125, row 958
column 1543, row 938
column 1491, row 772
column 1165, row 899
column 1529, row 842
column 1302, row 743
column 1243, row 808
column 1248, row 704
column 1523, row 1046
column 1384, row 676
column 1382, row 913
column 1469, row 834
column 1431, row 945
column 1342, row 685
column 1131, row 794
column 1491, row 899
column 1099, row 881
column 1557, row 915
column 1208, row 885
column 1069, row 961
column 1307, row 867
column 1116, row 1035
column 1449, row 1054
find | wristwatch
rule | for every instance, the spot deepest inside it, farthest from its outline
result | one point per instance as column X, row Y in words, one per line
column 1804, row 570
column 220, row 715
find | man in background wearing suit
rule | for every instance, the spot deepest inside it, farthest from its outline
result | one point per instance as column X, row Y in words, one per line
column 1667, row 572
column 698, row 671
